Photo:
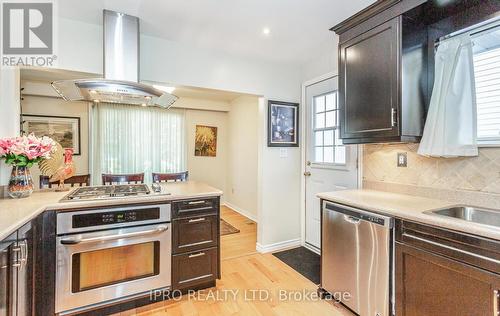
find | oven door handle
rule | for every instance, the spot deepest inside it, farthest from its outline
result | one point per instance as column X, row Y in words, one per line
column 79, row 240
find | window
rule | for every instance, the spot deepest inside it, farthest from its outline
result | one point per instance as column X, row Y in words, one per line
column 328, row 147
column 134, row 139
column 487, row 79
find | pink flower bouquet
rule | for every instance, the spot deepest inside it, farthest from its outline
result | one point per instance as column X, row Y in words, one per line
column 25, row 151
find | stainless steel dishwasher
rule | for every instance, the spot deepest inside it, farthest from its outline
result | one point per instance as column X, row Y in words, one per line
column 357, row 258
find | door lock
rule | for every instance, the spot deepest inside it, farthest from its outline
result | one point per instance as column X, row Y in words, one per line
column 308, row 163
column 307, row 173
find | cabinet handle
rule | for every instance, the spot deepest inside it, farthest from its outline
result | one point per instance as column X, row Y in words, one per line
column 3, row 267
column 16, row 265
column 196, row 202
column 496, row 302
column 196, row 220
column 196, row 255
column 394, row 117
column 16, row 249
column 24, row 253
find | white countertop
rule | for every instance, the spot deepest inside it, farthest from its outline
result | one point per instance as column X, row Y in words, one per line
column 16, row 212
column 408, row 207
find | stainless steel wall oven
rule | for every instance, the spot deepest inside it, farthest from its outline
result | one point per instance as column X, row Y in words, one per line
column 111, row 254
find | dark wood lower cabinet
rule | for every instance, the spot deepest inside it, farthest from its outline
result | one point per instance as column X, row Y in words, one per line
column 191, row 269
column 444, row 272
column 195, row 243
column 194, row 233
column 16, row 273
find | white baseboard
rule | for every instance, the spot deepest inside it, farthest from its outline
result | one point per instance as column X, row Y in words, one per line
column 312, row 248
column 283, row 245
column 241, row 211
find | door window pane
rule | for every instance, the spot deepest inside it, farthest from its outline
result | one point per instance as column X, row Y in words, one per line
column 328, row 138
column 318, row 156
column 320, row 120
column 331, row 101
column 318, row 138
column 330, row 119
column 328, row 155
column 338, row 141
column 320, row 104
column 327, row 145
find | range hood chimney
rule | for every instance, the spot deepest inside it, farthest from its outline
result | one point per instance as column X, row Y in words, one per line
column 121, row 70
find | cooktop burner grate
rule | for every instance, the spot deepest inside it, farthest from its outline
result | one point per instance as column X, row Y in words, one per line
column 110, row 191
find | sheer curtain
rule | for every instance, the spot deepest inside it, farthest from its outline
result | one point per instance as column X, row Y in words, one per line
column 451, row 125
column 134, row 139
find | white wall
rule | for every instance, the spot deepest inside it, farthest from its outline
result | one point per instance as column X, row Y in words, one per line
column 9, row 110
column 243, row 142
column 211, row 170
column 325, row 62
column 80, row 49
column 58, row 107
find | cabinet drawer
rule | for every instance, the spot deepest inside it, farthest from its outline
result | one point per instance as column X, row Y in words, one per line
column 473, row 250
column 190, row 208
column 194, row 233
column 194, row 268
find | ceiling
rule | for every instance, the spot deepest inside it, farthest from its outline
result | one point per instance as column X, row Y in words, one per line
column 299, row 29
column 48, row 75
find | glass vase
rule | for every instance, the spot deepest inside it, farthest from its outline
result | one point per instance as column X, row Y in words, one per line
column 20, row 183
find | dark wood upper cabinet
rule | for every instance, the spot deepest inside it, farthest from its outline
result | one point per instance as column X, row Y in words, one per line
column 369, row 89
column 386, row 64
column 382, row 75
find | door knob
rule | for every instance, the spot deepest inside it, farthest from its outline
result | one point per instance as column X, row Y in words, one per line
column 307, row 173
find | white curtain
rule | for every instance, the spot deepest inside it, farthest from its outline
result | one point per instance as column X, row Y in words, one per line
column 451, row 126
column 135, row 139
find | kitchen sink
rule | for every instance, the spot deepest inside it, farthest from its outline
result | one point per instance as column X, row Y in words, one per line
column 471, row 214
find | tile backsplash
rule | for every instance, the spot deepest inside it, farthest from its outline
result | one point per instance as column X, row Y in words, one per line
column 473, row 174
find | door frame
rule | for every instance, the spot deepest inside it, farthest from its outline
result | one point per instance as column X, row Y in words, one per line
column 303, row 150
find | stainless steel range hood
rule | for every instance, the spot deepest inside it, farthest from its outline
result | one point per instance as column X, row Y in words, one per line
column 121, row 70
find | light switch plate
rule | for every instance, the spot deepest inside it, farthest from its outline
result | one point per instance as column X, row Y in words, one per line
column 403, row 160
column 283, row 152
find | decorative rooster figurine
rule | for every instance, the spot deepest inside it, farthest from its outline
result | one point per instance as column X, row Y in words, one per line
column 56, row 170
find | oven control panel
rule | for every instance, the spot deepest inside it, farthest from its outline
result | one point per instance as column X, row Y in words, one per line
column 115, row 217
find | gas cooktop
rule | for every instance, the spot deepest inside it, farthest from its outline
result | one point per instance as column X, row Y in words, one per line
column 107, row 192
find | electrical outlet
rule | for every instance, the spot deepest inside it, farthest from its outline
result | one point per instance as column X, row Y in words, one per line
column 403, row 160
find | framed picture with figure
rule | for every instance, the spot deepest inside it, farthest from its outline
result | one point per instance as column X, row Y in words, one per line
column 283, row 124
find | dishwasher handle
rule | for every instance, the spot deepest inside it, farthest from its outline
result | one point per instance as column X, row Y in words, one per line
column 352, row 219
column 354, row 215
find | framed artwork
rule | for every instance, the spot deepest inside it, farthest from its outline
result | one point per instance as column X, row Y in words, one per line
column 283, row 124
column 205, row 141
column 63, row 129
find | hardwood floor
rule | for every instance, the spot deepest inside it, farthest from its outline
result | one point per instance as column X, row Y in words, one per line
column 251, row 284
column 242, row 243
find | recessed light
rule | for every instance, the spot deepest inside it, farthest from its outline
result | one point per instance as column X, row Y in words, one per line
column 96, row 101
column 144, row 104
column 147, row 97
column 164, row 88
column 266, row 31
